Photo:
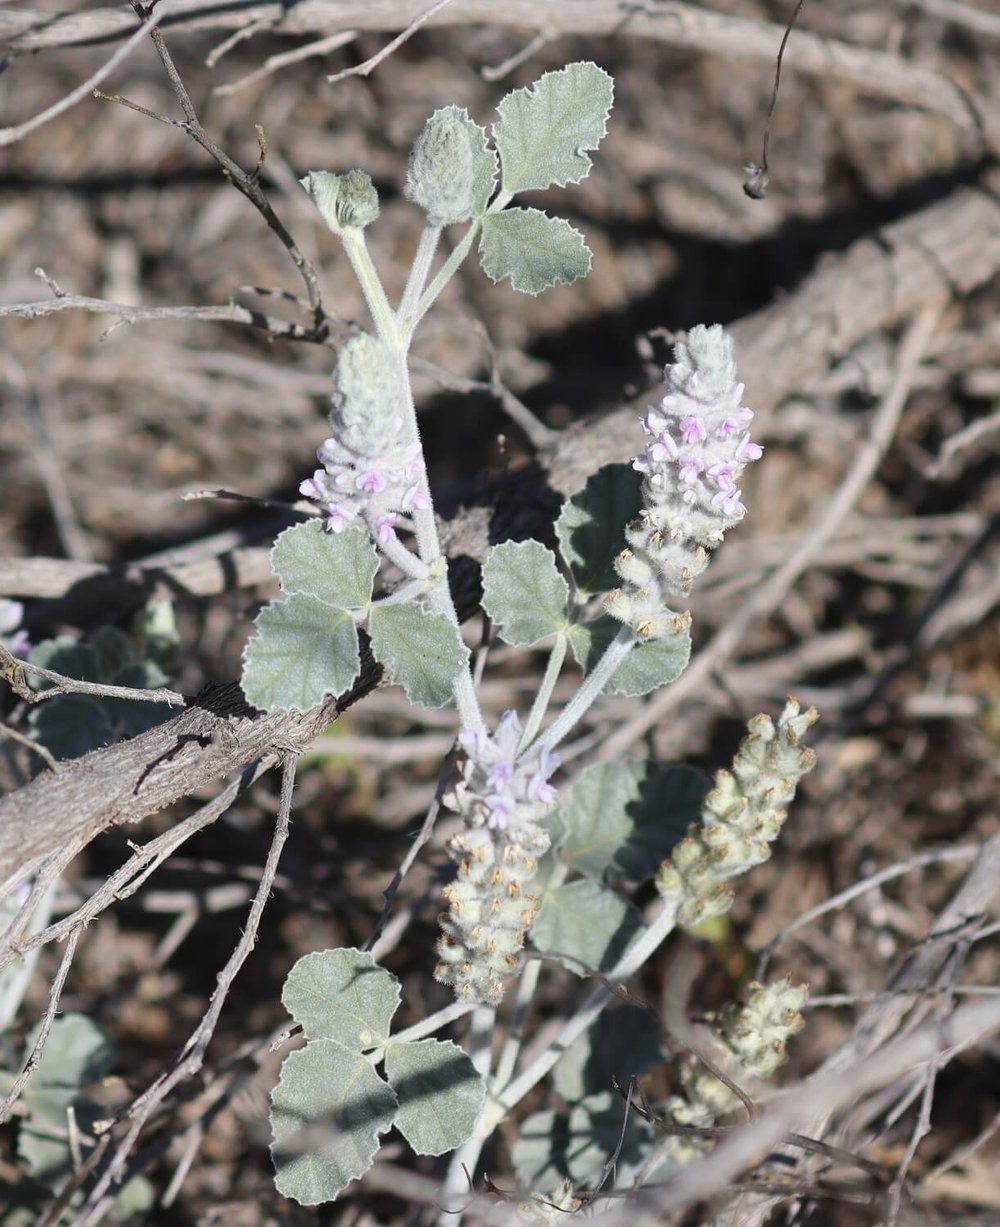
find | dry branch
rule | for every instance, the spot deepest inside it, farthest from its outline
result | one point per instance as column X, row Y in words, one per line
column 874, row 74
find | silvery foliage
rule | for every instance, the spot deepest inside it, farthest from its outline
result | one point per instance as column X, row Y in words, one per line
column 530, row 860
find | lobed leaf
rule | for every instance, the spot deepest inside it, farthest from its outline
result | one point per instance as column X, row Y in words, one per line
column 304, row 650
column 532, row 250
column 544, row 131
column 440, row 1094
column 646, row 668
column 342, row 995
column 587, row 922
column 591, row 526
column 523, row 592
column 422, row 651
column 625, row 1042
column 337, row 568
column 327, row 1113
column 627, row 816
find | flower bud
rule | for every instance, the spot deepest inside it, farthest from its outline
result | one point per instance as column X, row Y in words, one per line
column 347, row 202
column 440, row 175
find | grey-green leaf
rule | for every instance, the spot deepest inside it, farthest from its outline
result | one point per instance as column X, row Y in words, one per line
column 645, row 669
column 625, row 1042
column 304, row 650
column 553, row 1147
column 543, row 132
column 626, row 817
column 440, row 1094
column 72, row 725
column 327, row 1113
column 533, row 250
column 342, row 995
column 337, row 568
column 587, row 922
column 591, row 525
column 423, row 651
column 77, row 1051
column 523, row 592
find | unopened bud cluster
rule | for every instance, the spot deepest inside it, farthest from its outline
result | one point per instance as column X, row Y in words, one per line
column 440, row 175
column 346, row 202
column 698, row 447
column 750, row 1044
column 740, row 817
column 490, row 907
column 372, row 465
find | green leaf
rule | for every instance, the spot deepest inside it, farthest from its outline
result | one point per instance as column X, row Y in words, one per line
column 133, row 716
column 533, row 250
column 77, row 1051
column 338, row 568
column 553, row 1147
column 114, row 652
column 440, row 1094
column 523, row 592
column 591, row 525
column 327, row 1113
column 342, row 995
column 543, row 132
column 625, row 1042
column 646, row 668
column 627, row 816
column 587, row 922
column 66, row 656
column 485, row 165
column 72, row 725
column 423, row 651
column 303, row 650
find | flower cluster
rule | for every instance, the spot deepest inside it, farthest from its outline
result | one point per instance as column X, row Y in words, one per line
column 501, row 796
column 741, row 816
column 372, row 466
column 749, row 1045
column 698, row 447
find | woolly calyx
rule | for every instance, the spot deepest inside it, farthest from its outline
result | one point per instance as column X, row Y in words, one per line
column 749, row 1045
column 699, row 446
column 741, row 816
column 440, row 174
column 372, row 465
column 346, row 202
column 501, row 796
column 489, row 909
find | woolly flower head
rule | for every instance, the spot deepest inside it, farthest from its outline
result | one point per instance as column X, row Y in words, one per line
column 699, row 441
column 497, row 788
column 372, row 466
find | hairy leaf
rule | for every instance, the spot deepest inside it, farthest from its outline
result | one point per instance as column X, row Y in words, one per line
column 338, row 568
column 342, row 995
column 440, row 1094
column 627, row 816
column 423, row 651
column 646, row 668
column 543, row 132
column 523, row 592
column 534, row 251
column 327, row 1113
column 304, row 650
column 591, row 525
column 624, row 1043
column 587, row 922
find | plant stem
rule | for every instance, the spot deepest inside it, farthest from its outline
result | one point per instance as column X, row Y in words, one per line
column 383, row 316
column 444, row 275
column 593, row 684
column 427, row 1026
column 547, row 685
column 467, row 1156
column 418, row 276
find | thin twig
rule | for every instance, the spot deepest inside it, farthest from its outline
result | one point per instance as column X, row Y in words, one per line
column 273, row 62
column 12, row 670
column 35, row 747
column 192, row 1056
column 363, row 70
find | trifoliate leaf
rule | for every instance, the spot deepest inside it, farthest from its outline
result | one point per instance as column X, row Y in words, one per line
column 304, row 650
column 533, row 250
column 543, row 132
column 627, row 816
column 342, row 995
column 523, row 592
column 591, row 526
column 624, row 1043
column 423, row 651
column 646, row 668
column 338, row 568
column 440, row 1094
column 327, row 1113
column 587, row 922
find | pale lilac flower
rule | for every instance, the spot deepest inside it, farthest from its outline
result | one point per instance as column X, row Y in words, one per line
column 501, row 787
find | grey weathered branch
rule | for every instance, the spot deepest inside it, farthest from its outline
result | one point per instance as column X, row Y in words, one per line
column 952, row 246
column 874, row 74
